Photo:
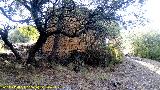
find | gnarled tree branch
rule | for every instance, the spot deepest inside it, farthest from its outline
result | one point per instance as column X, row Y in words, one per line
column 10, row 18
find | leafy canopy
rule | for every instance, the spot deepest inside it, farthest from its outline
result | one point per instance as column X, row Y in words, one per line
column 29, row 31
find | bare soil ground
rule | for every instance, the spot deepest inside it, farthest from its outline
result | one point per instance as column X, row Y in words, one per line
column 132, row 74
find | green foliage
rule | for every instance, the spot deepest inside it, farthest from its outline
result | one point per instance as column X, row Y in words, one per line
column 16, row 37
column 115, row 52
column 30, row 32
column 111, row 55
column 114, row 46
column 23, row 34
column 113, row 29
column 115, row 42
column 147, row 46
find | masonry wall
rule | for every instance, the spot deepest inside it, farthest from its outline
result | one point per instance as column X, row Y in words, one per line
column 66, row 44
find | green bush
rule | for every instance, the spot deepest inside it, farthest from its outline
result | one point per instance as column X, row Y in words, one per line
column 23, row 34
column 30, row 32
column 15, row 36
column 116, row 53
column 147, row 46
column 110, row 55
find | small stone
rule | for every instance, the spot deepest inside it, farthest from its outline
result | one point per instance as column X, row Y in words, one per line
column 115, row 83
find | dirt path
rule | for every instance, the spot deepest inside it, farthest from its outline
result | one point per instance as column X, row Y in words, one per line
column 133, row 74
column 137, row 74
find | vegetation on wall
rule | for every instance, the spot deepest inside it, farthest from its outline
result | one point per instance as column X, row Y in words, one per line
column 40, row 13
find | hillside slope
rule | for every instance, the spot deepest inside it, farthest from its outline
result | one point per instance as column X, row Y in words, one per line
column 133, row 74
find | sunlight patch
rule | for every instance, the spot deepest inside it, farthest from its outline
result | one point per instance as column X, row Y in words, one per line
column 152, row 67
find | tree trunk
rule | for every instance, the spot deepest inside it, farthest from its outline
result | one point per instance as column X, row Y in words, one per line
column 32, row 52
column 9, row 44
column 54, row 53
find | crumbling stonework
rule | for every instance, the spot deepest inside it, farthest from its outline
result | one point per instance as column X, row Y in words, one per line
column 67, row 44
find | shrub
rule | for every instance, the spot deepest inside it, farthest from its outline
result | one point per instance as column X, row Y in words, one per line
column 30, row 32
column 15, row 36
column 96, row 58
column 147, row 46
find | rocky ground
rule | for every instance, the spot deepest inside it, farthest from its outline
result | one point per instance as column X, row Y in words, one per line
column 137, row 74
column 133, row 74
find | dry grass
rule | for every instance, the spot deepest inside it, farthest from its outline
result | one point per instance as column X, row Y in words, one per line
column 129, row 75
column 12, row 74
